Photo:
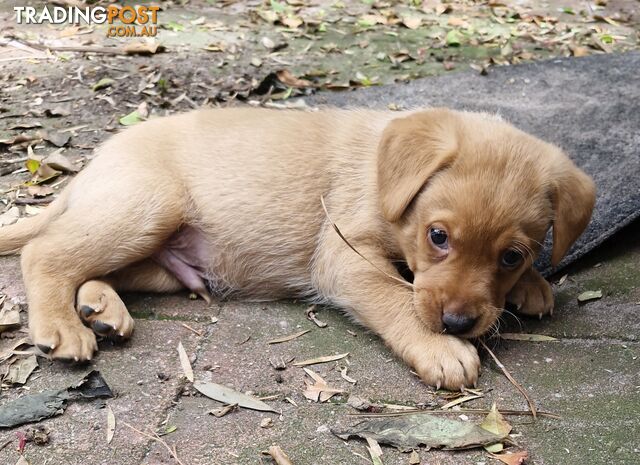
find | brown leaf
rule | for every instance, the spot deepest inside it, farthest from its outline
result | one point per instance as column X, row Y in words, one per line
column 578, row 51
column 324, row 359
column 288, row 338
column 143, row 48
column 320, row 390
column 220, row 412
column 279, row 456
column 39, row 191
column 412, row 22
column 290, row 80
column 515, row 458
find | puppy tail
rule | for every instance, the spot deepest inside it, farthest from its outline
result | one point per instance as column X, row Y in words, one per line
column 16, row 236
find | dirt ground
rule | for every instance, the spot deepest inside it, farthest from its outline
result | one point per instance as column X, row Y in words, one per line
column 57, row 105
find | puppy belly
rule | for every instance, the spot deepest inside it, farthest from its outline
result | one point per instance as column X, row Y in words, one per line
column 185, row 255
column 205, row 265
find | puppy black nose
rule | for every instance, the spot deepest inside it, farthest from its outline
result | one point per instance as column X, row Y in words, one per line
column 457, row 323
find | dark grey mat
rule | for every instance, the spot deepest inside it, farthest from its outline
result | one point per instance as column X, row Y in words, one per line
column 588, row 106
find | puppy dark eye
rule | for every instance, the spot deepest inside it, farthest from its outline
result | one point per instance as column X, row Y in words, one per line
column 511, row 258
column 439, row 238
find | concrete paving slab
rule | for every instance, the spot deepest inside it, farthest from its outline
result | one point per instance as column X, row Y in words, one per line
column 141, row 399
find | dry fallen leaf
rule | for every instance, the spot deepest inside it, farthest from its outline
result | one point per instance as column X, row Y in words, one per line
column 59, row 162
column 184, row 361
column 526, row 337
column 9, row 317
column 515, row 458
column 414, row 458
column 9, row 217
column 20, row 370
column 39, row 191
column 311, row 315
column 111, row 424
column 412, row 22
column 589, row 295
column 411, row 431
column 458, row 401
column 290, row 80
column 143, row 48
column 346, row 377
column 325, row 359
column 288, row 338
column 229, row 396
column 495, row 422
column 220, row 412
column 279, row 456
column 375, row 452
column 320, row 390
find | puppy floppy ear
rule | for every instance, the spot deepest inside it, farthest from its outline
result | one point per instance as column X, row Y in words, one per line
column 574, row 196
column 412, row 149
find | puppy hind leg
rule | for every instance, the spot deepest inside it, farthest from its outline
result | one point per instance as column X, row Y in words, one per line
column 80, row 246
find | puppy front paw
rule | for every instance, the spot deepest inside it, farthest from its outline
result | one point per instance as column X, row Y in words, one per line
column 532, row 295
column 445, row 361
column 63, row 338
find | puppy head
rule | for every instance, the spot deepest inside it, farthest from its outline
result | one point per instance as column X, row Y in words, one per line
column 471, row 199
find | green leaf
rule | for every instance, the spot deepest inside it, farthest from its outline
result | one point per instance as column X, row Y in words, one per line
column 168, row 430
column 103, row 83
column 131, row 119
column 365, row 22
column 453, row 38
column 277, row 6
column 494, row 448
column 606, row 38
column 175, row 27
column 32, row 165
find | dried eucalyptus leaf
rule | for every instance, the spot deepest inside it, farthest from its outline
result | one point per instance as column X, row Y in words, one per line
column 410, row 431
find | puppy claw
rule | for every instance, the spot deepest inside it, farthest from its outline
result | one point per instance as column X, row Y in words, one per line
column 86, row 311
column 102, row 328
column 539, row 316
column 438, row 385
column 45, row 349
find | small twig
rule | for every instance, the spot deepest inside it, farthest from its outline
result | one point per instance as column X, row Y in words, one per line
column 77, row 48
column 479, row 411
column 33, row 201
column 6, row 444
column 278, row 455
column 157, row 438
column 335, row 227
column 194, row 331
column 513, row 381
